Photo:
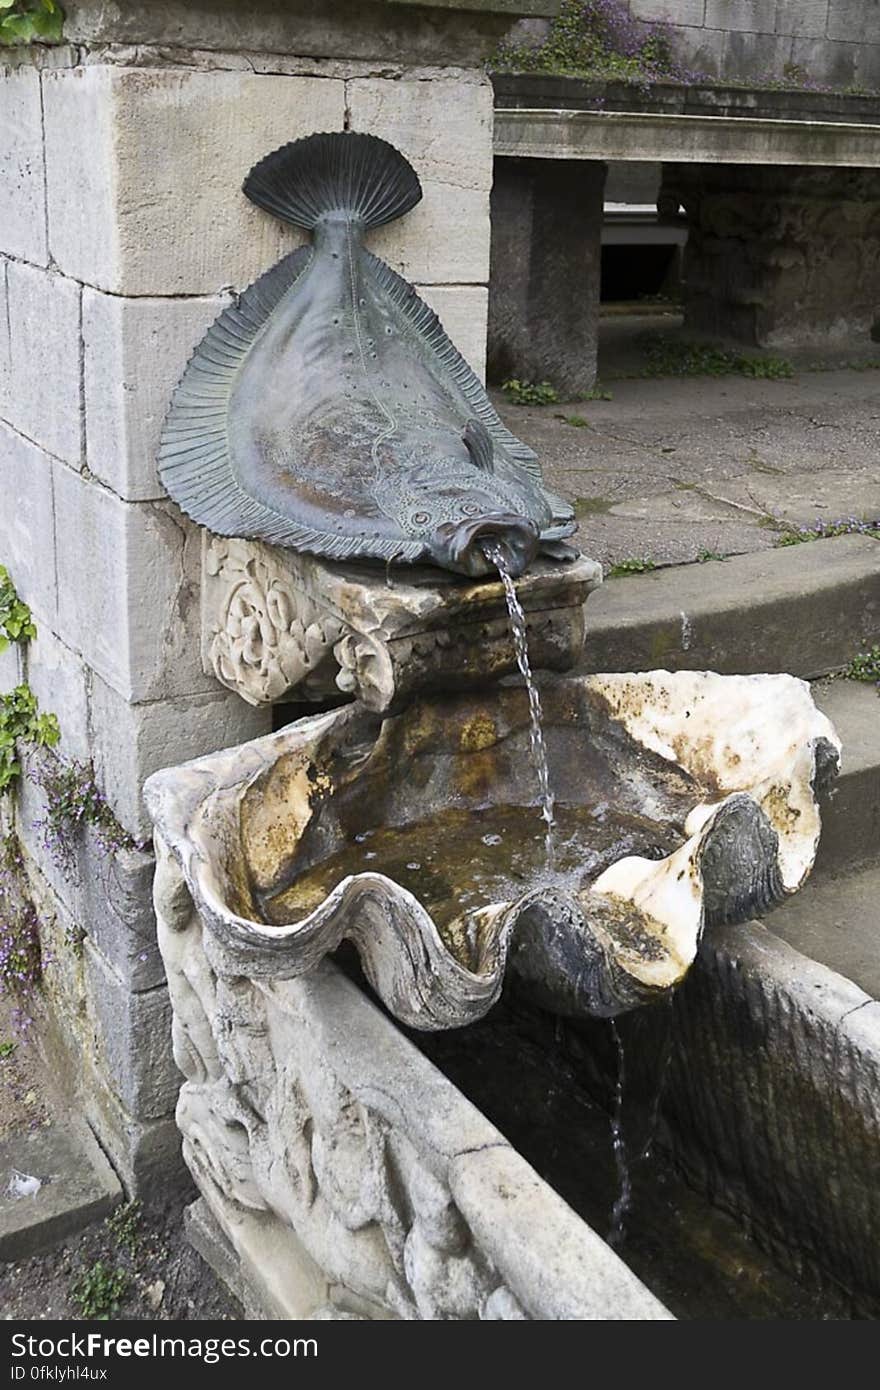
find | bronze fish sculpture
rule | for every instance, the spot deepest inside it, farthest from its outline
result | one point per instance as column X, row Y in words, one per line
column 328, row 411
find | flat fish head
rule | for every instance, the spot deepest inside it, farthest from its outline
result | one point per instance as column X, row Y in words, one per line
column 459, row 511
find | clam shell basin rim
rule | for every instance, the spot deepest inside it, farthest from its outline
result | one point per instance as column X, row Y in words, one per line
column 728, row 766
column 328, row 411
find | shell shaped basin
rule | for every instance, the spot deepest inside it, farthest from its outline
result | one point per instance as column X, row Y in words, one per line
column 683, row 800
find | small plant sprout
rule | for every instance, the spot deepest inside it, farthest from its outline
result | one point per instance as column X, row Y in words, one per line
column 530, row 392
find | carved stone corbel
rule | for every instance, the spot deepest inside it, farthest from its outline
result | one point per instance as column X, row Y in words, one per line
column 277, row 624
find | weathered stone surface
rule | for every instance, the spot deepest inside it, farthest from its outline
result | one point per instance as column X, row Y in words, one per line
column 128, row 576
column 391, row 32
column 834, row 922
column 853, row 20
column 781, row 264
column 755, row 57
column 117, row 909
column 43, row 397
column 803, row 18
column 103, row 127
column 145, row 1153
column 274, row 622
column 135, row 351
column 547, row 221
column 463, row 310
column 129, row 742
column 5, row 344
column 752, row 16
column 679, row 11
column 77, row 1187
column 131, row 1040
column 23, row 228
column 445, row 129
column 27, row 521
column 851, row 817
column 59, row 679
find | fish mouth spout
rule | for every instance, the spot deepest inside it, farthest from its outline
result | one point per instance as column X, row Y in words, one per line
column 469, row 547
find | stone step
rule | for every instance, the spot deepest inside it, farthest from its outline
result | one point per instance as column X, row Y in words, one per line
column 851, row 815
column 54, row 1180
column 806, row 609
column 835, row 920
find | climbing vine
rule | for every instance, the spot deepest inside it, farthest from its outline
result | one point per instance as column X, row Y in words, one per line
column 73, row 800
column 30, row 21
column 598, row 38
column 16, row 623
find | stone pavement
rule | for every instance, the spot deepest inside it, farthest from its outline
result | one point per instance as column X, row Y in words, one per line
column 672, row 469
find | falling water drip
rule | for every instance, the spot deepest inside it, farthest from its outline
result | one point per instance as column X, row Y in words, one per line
column 538, row 747
column 624, row 1196
column 660, row 1085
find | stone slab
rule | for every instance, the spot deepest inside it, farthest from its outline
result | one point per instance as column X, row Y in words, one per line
column 59, row 679
column 23, row 227
column 392, row 31
column 751, row 16
column 627, row 135
column 135, row 351
column 103, row 128
column 78, row 1186
column 804, row 609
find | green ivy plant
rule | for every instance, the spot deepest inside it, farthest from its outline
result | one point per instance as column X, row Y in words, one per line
column 20, row 718
column 16, row 622
column 30, row 21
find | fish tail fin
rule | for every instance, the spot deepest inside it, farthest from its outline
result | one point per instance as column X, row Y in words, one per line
column 360, row 176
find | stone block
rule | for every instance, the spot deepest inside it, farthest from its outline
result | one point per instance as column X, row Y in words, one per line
column 857, row 21
column 27, row 525
column 43, row 394
column 58, row 678
column 135, row 351
column 803, row 18
column 462, row 309
column 132, row 1040
column 867, row 65
column 834, row 63
column 445, row 129
column 677, row 12
column 129, row 742
column 128, row 576
column 146, row 1154
column 193, row 232
column 746, row 16
column 755, row 57
column 117, row 896
column 5, row 344
column 23, row 225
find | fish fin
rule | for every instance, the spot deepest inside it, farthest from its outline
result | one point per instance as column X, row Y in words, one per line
column 558, row 550
column 360, row 176
column 428, row 327
column 479, row 445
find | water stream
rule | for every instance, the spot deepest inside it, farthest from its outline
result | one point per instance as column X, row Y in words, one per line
column 536, row 717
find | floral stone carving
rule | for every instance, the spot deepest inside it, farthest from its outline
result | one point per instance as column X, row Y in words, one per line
column 279, row 624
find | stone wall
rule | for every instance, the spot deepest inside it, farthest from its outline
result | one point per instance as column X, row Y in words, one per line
column 826, row 42
column 123, row 234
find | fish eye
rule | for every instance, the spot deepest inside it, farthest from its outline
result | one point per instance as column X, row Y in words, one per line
column 421, row 518
column 470, row 508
